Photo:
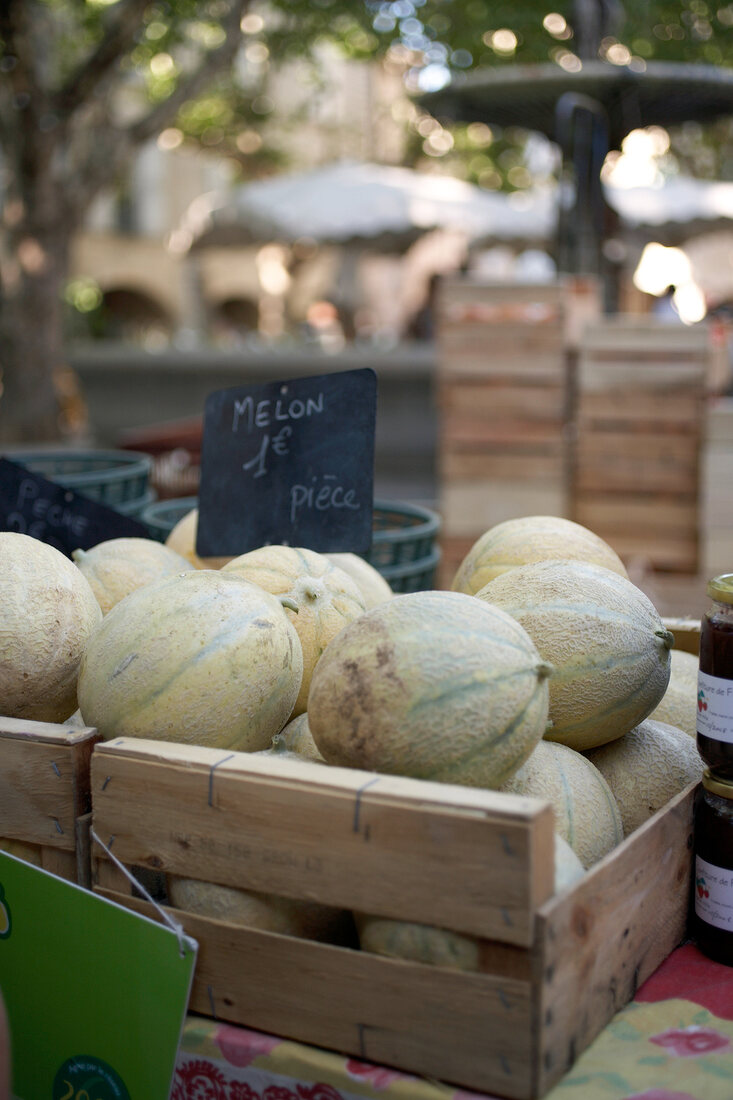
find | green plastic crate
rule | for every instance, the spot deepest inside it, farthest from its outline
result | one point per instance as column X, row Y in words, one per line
column 404, row 547
column 119, row 479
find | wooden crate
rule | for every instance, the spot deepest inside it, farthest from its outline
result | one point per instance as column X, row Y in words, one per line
column 44, row 794
column 639, row 421
column 503, row 394
column 554, row 969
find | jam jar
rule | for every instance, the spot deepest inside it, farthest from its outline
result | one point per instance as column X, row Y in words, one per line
column 715, row 679
column 712, row 924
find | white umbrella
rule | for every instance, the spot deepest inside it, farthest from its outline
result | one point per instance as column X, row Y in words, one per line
column 679, row 207
column 378, row 206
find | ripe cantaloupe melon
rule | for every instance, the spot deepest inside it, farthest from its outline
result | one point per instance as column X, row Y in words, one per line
column 529, row 539
column 432, row 946
column 586, row 814
column 678, row 706
column 649, row 765
column 604, row 637
column 47, row 613
column 435, row 685
column 116, row 567
column 326, row 598
column 203, row 658
column 372, row 585
column 182, row 539
column 297, row 738
column 269, row 912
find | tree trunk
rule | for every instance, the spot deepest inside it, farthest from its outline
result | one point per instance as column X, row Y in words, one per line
column 34, row 372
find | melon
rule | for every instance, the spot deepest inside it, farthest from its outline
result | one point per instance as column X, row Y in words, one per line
column 297, row 738
column 678, row 706
column 568, row 866
column 268, row 912
column 48, row 612
column 182, row 539
column 649, row 765
column 586, row 813
column 326, row 598
column 203, row 658
column 435, row 685
column 372, row 585
column 529, row 539
column 603, row 636
column 116, row 567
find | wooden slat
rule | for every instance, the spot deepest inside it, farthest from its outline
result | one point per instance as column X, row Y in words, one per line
column 378, row 844
column 654, row 513
column 50, row 733
column 636, row 462
column 499, row 464
column 471, row 1029
column 476, row 429
column 601, row 940
column 44, row 783
column 499, row 398
column 535, row 365
column 468, row 508
column 635, row 409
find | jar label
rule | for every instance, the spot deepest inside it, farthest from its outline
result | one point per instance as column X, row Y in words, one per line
column 714, row 894
column 715, row 707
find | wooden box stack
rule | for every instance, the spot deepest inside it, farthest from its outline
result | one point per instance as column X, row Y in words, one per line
column 639, row 421
column 503, row 396
column 44, row 795
column 554, row 969
column 717, row 488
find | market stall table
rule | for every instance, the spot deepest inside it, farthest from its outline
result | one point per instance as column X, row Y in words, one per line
column 673, row 1042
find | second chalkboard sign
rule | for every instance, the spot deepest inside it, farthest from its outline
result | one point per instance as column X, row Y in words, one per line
column 289, row 463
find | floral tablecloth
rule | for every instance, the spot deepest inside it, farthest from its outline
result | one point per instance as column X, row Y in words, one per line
column 673, row 1042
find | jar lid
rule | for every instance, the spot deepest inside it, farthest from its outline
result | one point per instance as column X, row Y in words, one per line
column 721, row 588
column 721, row 787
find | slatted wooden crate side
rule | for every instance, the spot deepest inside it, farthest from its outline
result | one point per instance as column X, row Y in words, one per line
column 511, row 398
column 480, row 862
column 45, row 792
column 469, row 508
column 474, row 1030
column 500, row 463
column 512, row 1029
column 633, row 334
column 598, row 942
column 618, row 460
column 640, row 409
column 467, row 290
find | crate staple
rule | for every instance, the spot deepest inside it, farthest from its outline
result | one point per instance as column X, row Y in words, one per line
column 212, row 769
column 357, row 804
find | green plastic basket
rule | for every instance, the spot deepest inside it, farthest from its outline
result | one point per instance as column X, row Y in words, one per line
column 404, row 547
column 119, row 479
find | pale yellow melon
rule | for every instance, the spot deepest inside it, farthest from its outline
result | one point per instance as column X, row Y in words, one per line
column 568, row 865
column 297, row 738
column 372, row 585
column 586, row 814
column 530, row 539
column 268, row 912
column 678, row 706
column 326, row 598
column 203, row 658
column 116, row 567
column 47, row 613
column 603, row 636
column 432, row 946
column 182, row 539
column 647, row 767
column 435, row 685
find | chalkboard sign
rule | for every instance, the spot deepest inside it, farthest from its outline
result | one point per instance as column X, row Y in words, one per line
column 289, row 463
column 33, row 505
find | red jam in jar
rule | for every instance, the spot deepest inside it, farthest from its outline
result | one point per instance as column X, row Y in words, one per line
column 715, row 679
column 713, row 903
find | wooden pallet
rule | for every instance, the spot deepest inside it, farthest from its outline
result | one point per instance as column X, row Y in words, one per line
column 554, row 969
column 44, row 795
